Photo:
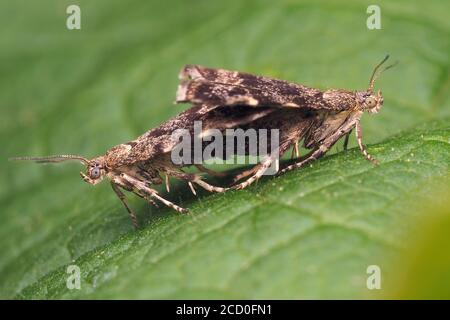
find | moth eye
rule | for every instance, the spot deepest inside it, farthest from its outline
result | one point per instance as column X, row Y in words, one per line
column 95, row 173
column 371, row 102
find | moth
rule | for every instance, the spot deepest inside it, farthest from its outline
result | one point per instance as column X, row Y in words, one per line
column 136, row 165
column 302, row 114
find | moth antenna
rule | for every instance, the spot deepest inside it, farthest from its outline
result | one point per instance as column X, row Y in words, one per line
column 52, row 159
column 377, row 71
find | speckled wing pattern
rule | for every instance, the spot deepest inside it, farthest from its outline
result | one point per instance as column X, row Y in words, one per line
column 160, row 141
column 227, row 88
column 227, row 99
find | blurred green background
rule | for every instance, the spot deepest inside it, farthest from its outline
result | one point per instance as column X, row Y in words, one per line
column 309, row 234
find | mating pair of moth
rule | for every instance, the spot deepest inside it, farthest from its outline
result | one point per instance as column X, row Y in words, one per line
column 225, row 99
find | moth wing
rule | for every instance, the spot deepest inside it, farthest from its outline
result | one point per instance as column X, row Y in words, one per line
column 223, row 87
column 156, row 141
column 164, row 138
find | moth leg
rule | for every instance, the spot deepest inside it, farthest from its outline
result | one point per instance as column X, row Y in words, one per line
column 347, row 136
column 126, row 186
column 193, row 178
column 208, row 187
column 191, row 186
column 147, row 199
column 209, row 171
column 362, row 147
column 323, row 148
column 123, row 199
column 167, row 183
column 141, row 189
column 259, row 169
column 295, row 150
column 246, row 173
column 116, row 183
column 166, row 202
column 152, row 202
column 263, row 166
column 314, row 155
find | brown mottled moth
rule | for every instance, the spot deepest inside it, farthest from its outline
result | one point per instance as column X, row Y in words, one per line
column 136, row 165
column 319, row 118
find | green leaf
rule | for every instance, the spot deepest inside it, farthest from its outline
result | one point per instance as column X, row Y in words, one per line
column 308, row 234
column 426, row 262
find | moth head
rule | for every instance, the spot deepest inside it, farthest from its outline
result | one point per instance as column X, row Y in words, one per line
column 95, row 168
column 372, row 102
column 95, row 171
